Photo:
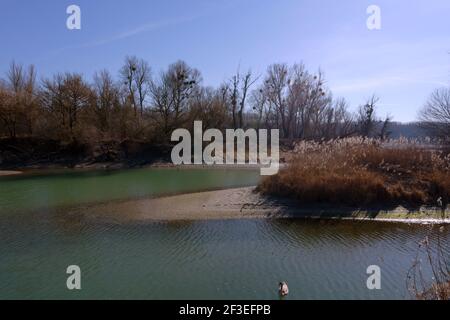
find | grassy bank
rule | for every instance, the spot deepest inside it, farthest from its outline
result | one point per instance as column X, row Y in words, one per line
column 363, row 172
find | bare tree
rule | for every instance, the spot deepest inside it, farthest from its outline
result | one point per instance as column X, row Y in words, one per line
column 385, row 132
column 435, row 115
column 140, row 106
column 337, row 121
column 171, row 94
column 209, row 106
column 367, row 116
column 259, row 105
column 8, row 114
column 276, row 88
column 107, row 100
column 136, row 77
column 344, row 119
column 247, row 83
column 142, row 81
column 298, row 101
column 240, row 85
column 127, row 74
column 29, row 99
column 315, row 106
column 18, row 110
column 65, row 96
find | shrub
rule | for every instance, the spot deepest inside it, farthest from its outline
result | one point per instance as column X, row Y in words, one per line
column 357, row 171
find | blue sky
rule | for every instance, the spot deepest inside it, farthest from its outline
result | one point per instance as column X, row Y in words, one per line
column 402, row 63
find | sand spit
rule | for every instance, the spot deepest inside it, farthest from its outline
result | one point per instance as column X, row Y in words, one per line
column 244, row 203
column 9, row 173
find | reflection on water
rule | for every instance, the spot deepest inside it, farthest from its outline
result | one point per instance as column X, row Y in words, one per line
column 235, row 259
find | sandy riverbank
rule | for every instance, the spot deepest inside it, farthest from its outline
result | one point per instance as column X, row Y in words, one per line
column 9, row 173
column 243, row 203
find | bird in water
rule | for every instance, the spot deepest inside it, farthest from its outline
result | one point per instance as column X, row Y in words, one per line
column 283, row 289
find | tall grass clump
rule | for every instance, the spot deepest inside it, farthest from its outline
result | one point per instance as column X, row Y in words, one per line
column 432, row 254
column 357, row 171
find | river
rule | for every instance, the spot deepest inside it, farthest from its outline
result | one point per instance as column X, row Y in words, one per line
column 221, row 259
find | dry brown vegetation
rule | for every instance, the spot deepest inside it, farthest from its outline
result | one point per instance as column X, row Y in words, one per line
column 144, row 105
column 432, row 253
column 439, row 291
column 67, row 119
column 358, row 172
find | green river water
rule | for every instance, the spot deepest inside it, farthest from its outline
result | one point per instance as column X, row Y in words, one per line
column 230, row 259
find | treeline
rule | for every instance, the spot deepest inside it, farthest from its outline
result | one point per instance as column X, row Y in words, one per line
column 139, row 104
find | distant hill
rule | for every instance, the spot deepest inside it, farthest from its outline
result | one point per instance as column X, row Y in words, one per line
column 407, row 130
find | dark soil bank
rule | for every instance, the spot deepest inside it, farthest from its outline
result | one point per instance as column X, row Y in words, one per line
column 36, row 153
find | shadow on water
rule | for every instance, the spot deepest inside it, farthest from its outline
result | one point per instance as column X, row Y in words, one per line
column 293, row 208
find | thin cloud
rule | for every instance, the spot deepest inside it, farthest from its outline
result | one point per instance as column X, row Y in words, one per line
column 141, row 29
column 148, row 27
